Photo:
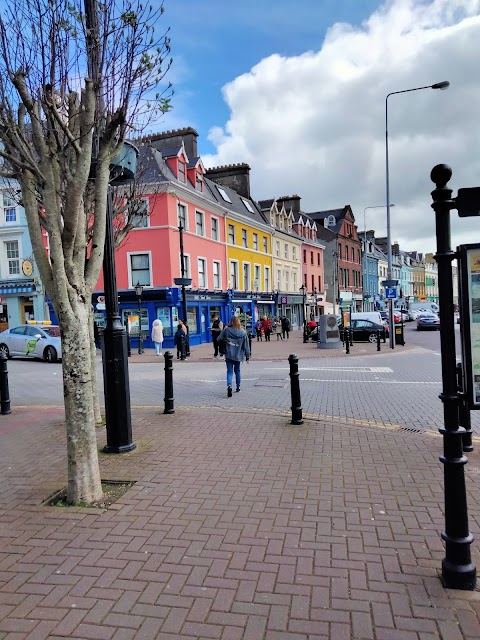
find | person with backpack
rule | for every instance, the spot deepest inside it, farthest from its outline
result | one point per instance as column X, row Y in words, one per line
column 286, row 327
column 237, row 348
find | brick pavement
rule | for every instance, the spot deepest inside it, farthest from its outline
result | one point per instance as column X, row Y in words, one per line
column 239, row 526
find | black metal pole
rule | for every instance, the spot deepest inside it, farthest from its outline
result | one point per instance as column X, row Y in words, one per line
column 4, row 390
column 347, row 340
column 127, row 333
column 168, row 399
column 458, row 571
column 115, row 359
column 378, row 340
column 140, row 341
column 295, row 390
column 184, row 293
column 183, row 347
column 464, row 411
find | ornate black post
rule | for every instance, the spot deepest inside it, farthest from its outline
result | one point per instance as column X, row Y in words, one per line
column 295, row 390
column 4, row 390
column 458, row 571
column 139, row 291
column 127, row 333
column 464, row 411
column 168, row 399
column 347, row 340
column 115, row 359
column 378, row 340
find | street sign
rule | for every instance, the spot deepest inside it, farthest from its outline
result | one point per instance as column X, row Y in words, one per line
column 390, row 293
column 468, row 202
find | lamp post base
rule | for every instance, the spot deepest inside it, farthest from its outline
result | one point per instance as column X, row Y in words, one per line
column 457, row 576
column 117, row 391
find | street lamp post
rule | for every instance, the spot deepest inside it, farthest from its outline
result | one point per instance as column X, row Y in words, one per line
column 138, row 292
column 378, row 206
column 183, row 282
column 303, row 289
column 439, row 85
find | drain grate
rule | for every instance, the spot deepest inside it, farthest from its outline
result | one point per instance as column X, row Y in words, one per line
column 412, row 430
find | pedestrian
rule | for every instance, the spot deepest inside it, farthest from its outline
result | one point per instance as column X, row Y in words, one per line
column 179, row 339
column 267, row 328
column 258, row 330
column 286, row 327
column 277, row 328
column 157, row 336
column 96, row 335
column 236, row 349
column 216, row 328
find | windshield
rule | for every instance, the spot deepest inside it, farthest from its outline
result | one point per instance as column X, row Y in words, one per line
column 52, row 331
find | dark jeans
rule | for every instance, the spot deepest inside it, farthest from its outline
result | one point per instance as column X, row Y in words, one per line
column 215, row 346
column 267, row 335
column 286, row 331
column 233, row 366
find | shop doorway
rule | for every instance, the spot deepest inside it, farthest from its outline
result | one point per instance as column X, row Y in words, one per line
column 26, row 312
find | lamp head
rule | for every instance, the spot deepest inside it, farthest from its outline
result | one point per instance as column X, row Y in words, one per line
column 138, row 290
column 441, row 85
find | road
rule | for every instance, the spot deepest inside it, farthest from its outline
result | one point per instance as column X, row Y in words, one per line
column 399, row 388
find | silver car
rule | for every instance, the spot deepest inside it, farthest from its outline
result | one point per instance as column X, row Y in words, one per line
column 32, row 341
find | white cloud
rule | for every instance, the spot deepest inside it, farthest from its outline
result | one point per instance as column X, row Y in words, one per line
column 315, row 124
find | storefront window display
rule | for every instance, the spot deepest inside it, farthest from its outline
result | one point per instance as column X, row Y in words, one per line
column 131, row 316
column 192, row 320
column 163, row 314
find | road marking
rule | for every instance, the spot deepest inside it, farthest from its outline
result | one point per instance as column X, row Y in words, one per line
column 345, row 369
column 369, row 381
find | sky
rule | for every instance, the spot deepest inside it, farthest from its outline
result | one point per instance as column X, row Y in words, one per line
column 298, row 91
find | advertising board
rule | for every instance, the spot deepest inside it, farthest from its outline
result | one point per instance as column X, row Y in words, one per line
column 469, row 262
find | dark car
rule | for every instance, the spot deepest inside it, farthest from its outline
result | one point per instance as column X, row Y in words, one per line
column 428, row 321
column 366, row 331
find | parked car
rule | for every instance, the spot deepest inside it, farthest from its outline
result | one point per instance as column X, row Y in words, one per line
column 414, row 313
column 428, row 320
column 32, row 341
column 402, row 312
column 366, row 331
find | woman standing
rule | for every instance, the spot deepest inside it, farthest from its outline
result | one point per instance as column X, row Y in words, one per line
column 236, row 348
column 179, row 339
column 157, row 336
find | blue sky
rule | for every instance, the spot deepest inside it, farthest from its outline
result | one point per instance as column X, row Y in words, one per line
column 297, row 90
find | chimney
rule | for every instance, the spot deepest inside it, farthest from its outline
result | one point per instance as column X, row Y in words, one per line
column 169, row 139
column 290, row 202
column 234, row 176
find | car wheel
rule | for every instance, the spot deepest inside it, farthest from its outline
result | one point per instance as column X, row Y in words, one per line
column 50, row 355
column 4, row 351
column 372, row 337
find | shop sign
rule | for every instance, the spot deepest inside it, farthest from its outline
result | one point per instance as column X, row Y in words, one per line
column 470, row 320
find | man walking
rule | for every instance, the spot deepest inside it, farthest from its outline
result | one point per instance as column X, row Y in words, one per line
column 216, row 328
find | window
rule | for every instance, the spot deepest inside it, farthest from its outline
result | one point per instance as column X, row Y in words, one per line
column 140, row 269
column 248, row 206
column 266, row 271
column 287, row 280
column 138, row 212
column 199, row 223
column 217, row 282
column 198, row 182
column 346, row 253
column 244, row 238
column 340, row 251
column 233, row 274
column 265, row 245
column 255, row 241
column 294, row 253
column 231, row 234
column 10, row 208
column 313, row 282
column 318, row 258
column 286, row 251
column 257, row 274
column 182, row 216
column 214, row 222
column 186, row 266
column 311, row 257
column 13, row 257
column 279, row 279
column 202, row 275
column 294, row 275
column 305, row 256
column 277, row 249
column 246, row 276
column 224, row 194
column 181, row 171
column 319, row 283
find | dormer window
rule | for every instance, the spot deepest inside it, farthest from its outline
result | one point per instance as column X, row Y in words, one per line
column 181, row 171
column 198, row 182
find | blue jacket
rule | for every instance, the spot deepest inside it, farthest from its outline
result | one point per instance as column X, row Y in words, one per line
column 236, row 344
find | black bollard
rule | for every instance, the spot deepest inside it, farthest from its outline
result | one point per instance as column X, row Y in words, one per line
column 295, row 390
column 458, row 570
column 4, row 391
column 464, row 412
column 250, row 342
column 347, row 341
column 378, row 340
column 350, row 333
column 168, row 399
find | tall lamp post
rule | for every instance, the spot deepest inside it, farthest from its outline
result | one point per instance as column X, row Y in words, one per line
column 390, row 282
column 138, row 293
column 183, row 282
column 378, row 206
column 303, row 289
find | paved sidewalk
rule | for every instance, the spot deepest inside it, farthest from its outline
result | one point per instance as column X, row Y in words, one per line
column 279, row 350
column 239, row 526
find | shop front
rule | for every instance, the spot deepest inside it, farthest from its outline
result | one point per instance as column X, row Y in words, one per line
column 21, row 301
column 291, row 306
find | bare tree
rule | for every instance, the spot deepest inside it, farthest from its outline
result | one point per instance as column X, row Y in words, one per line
column 76, row 79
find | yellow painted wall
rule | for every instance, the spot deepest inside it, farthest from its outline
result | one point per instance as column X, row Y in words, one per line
column 242, row 254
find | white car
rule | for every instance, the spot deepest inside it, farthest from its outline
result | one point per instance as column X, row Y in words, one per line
column 414, row 313
column 32, row 341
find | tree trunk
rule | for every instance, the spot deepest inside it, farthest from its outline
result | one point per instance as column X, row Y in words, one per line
column 84, row 483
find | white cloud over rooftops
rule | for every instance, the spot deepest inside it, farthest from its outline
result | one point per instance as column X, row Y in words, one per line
column 314, row 124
